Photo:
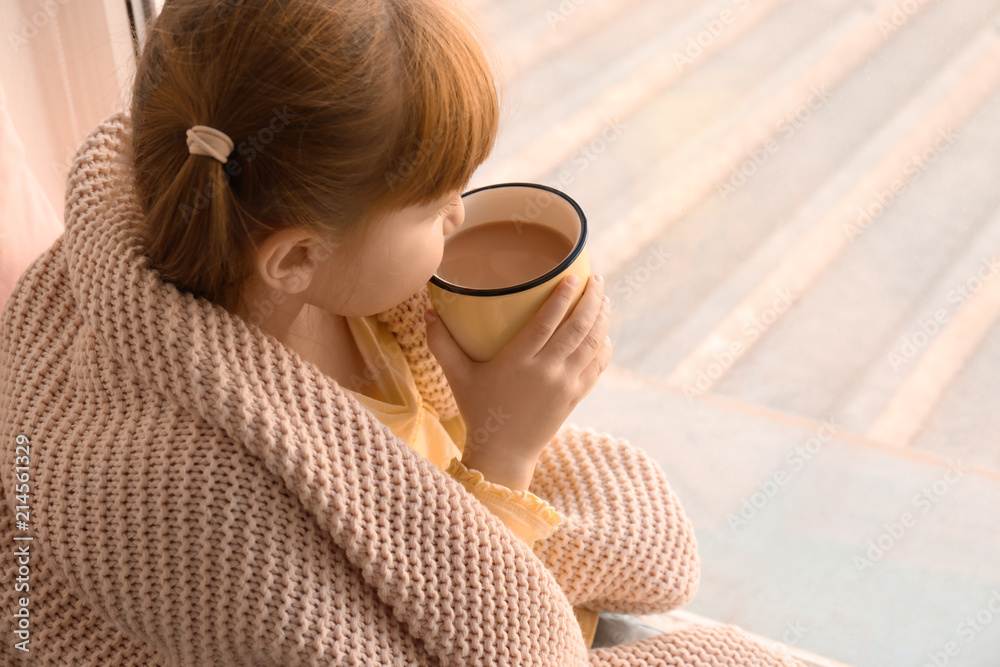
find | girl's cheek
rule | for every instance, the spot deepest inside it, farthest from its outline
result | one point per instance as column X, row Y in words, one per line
column 457, row 217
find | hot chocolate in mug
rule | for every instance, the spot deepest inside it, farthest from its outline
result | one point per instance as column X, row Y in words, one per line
column 518, row 242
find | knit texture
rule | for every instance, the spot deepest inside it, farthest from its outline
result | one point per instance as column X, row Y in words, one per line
column 200, row 495
column 527, row 515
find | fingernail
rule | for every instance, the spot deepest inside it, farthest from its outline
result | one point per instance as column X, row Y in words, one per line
column 598, row 278
column 573, row 280
column 429, row 316
column 607, row 299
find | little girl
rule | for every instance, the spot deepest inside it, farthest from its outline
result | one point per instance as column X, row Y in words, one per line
column 251, row 446
column 353, row 150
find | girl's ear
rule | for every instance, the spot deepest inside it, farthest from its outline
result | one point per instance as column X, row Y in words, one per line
column 288, row 259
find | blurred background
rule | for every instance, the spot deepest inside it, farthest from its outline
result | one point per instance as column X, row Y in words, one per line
column 796, row 206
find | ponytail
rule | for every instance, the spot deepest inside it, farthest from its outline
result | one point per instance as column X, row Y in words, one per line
column 202, row 208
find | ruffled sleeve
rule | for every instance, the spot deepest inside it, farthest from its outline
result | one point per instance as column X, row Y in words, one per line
column 528, row 516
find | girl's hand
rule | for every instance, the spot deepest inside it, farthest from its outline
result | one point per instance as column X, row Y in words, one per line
column 515, row 403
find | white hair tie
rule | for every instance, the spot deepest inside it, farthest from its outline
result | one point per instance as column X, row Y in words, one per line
column 205, row 140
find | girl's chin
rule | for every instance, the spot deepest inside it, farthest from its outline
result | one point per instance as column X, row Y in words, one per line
column 390, row 301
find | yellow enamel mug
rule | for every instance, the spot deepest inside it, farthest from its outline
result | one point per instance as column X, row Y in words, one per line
column 483, row 321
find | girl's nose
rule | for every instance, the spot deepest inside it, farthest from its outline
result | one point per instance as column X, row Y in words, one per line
column 455, row 217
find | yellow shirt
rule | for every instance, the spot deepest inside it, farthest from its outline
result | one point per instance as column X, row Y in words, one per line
column 419, row 426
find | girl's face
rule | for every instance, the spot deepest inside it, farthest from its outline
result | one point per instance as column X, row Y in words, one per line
column 372, row 274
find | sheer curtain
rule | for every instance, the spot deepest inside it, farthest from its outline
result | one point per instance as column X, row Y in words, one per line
column 67, row 65
column 28, row 222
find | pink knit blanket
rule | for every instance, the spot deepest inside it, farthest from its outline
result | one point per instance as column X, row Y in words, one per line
column 200, row 495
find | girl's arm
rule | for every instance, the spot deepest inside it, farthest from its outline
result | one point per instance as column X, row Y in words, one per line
column 525, row 514
column 531, row 521
column 625, row 544
column 595, row 553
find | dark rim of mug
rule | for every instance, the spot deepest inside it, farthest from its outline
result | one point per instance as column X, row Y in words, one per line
column 522, row 287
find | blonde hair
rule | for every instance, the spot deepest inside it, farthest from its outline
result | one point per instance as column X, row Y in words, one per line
column 340, row 111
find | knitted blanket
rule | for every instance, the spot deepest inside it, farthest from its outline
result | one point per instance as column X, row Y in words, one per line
column 200, row 495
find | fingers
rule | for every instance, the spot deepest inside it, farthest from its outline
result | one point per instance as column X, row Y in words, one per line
column 537, row 332
column 592, row 343
column 580, row 324
column 449, row 355
column 597, row 366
